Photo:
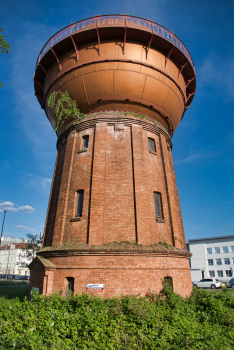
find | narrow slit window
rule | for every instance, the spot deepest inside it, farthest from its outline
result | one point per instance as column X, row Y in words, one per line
column 151, row 144
column 158, row 205
column 79, row 206
column 86, row 141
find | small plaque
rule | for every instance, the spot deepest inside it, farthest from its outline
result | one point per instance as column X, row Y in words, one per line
column 94, row 288
column 34, row 292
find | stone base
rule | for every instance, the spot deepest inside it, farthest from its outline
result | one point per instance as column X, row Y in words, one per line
column 130, row 272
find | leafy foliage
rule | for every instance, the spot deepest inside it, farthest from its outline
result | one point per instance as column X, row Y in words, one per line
column 4, row 47
column 33, row 245
column 165, row 321
column 64, row 108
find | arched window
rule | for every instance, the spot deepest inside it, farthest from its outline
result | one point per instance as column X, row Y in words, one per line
column 70, row 285
column 168, row 280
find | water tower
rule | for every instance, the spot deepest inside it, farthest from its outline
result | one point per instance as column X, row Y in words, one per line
column 114, row 222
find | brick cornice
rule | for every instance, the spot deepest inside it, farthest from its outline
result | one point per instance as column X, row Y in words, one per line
column 114, row 249
column 111, row 118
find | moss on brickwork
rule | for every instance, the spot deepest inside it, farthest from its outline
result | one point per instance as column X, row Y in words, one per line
column 123, row 246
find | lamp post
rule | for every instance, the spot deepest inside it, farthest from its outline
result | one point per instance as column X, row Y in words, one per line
column 2, row 227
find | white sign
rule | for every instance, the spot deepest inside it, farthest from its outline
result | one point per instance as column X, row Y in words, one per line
column 94, row 287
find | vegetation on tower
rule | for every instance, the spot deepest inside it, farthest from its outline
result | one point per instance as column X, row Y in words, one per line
column 64, row 108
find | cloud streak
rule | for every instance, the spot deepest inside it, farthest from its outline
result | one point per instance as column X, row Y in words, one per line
column 199, row 156
column 217, row 73
column 10, row 207
column 26, row 228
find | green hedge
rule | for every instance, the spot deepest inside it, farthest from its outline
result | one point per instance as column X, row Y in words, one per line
column 165, row 321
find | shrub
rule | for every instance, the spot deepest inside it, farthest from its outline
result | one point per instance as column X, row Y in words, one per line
column 157, row 321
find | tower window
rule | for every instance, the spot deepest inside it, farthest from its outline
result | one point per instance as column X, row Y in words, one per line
column 85, row 141
column 79, row 205
column 151, row 144
column 158, row 205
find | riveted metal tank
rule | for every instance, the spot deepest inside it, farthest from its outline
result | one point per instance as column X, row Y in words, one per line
column 118, row 62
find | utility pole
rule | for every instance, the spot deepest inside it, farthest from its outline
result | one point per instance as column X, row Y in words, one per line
column 2, row 227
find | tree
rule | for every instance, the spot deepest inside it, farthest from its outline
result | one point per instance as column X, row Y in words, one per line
column 34, row 241
column 64, row 108
column 4, row 47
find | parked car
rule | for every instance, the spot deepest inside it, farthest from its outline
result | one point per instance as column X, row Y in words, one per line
column 207, row 283
column 231, row 283
column 223, row 284
column 10, row 277
column 22, row 277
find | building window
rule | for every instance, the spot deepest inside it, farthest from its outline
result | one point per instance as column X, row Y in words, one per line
column 168, row 280
column 79, row 205
column 218, row 261
column 212, row 273
column 70, row 285
column 232, row 248
column 220, row 273
column 226, row 261
column 228, row 273
column 210, row 262
column 85, row 141
column 151, row 144
column 208, row 250
column 225, row 249
column 233, row 260
column 217, row 250
column 158, row 205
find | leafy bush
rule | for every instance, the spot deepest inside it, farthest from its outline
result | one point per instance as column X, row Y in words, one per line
column 64, row 108
column 164, row 321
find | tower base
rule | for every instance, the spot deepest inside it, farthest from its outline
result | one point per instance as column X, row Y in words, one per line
column 111, row 270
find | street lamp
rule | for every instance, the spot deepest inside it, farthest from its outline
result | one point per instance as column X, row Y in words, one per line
column 2, row 227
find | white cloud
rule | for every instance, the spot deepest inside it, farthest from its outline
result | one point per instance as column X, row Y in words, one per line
column 41, row 184
column 26, row 228
column 199, row 156
column 10, row 207
column 217, row 73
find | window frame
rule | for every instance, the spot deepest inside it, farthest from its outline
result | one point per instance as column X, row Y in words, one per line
column 79, row 197
column 221, row 273
column 210, row 262
column 219, row 260
column 224, row 251
column 84, row 139
column 226, row 263
column 207, row 250
column 211, row 272
column 228, row 273
column 158, row 195
column 215, row 252
column 153, row 144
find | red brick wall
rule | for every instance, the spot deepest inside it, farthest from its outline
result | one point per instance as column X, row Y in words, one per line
column 122, row 274
column 123, row 176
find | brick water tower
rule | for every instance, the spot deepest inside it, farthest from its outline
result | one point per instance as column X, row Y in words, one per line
column 114, row 222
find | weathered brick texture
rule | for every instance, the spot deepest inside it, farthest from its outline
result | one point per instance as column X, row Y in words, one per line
column 119, row 176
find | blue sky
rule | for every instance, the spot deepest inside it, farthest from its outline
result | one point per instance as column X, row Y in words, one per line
column 203, row 144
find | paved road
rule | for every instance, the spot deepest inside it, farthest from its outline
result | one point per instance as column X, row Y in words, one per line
column 12, row 286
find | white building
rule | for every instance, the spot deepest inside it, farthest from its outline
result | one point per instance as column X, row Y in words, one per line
column 212, row 257
column 11, row 255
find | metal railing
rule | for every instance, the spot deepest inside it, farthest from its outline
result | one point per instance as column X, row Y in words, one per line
column 116, row 20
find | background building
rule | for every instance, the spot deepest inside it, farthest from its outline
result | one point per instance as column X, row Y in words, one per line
column 212, row 257
column 12, row 257
column 114, row 217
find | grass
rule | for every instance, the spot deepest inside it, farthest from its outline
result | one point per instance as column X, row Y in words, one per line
column 11, row 293
column 9, row 283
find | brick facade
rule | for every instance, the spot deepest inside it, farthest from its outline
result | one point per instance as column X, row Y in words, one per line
column 119, row 176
